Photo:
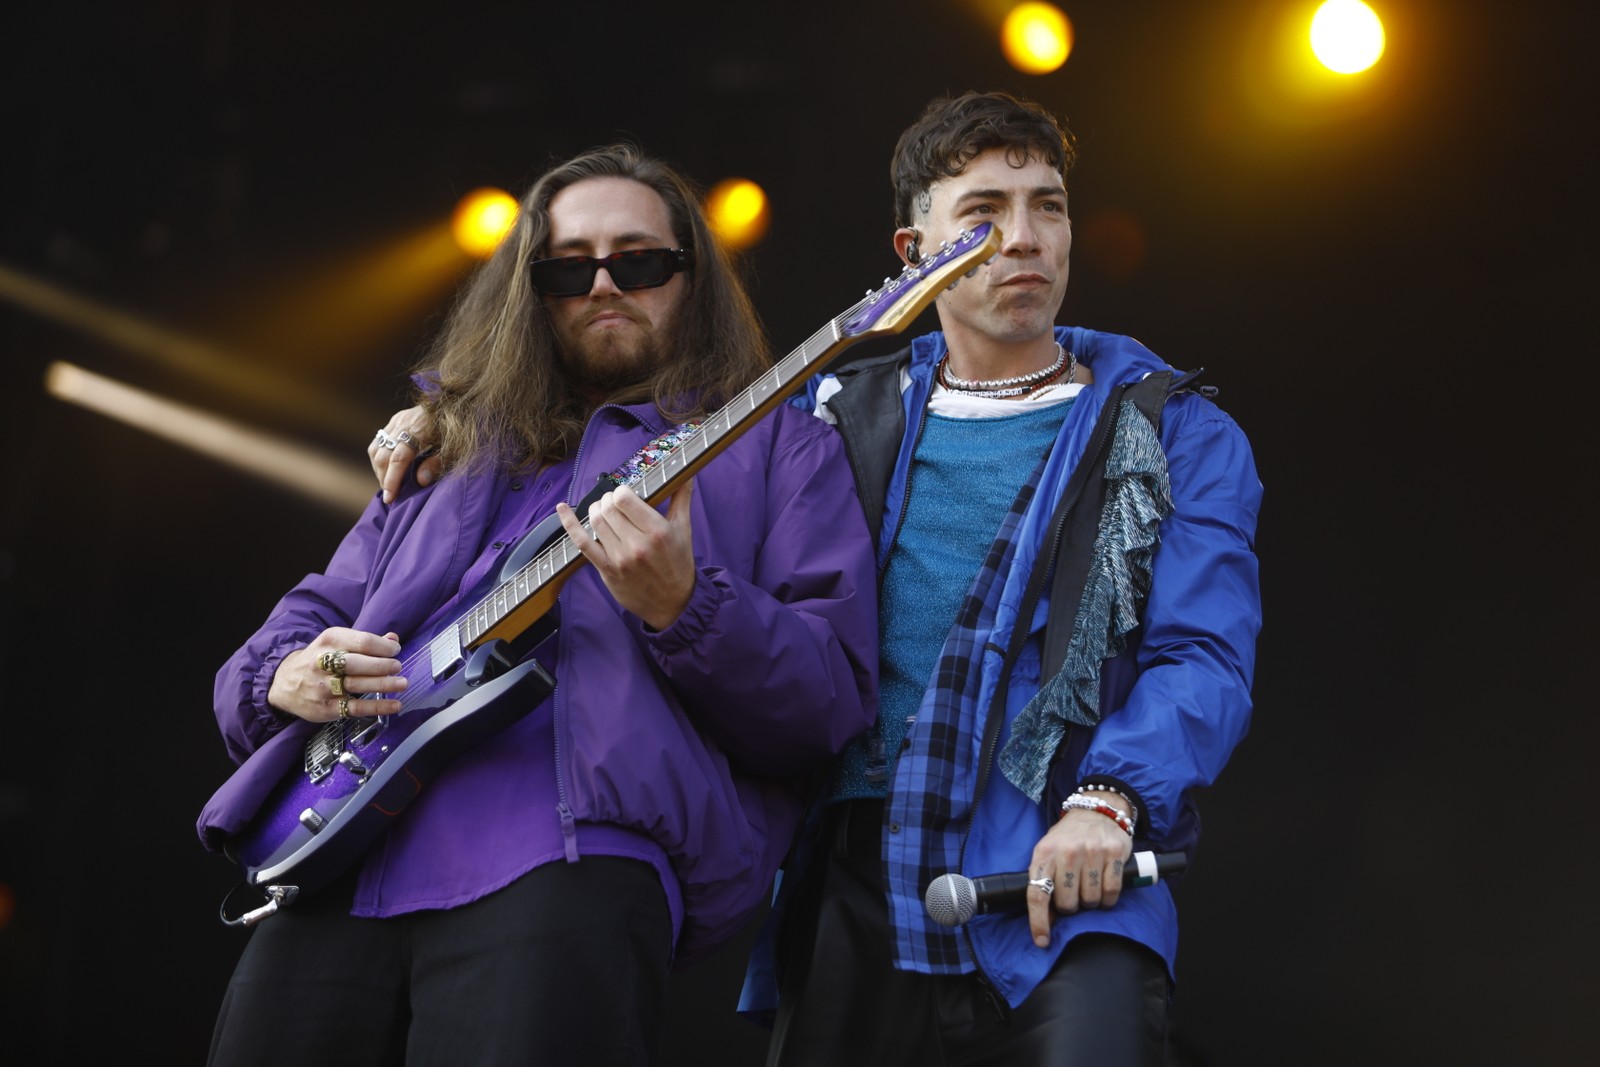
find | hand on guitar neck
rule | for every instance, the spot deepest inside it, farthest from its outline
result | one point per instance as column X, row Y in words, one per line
column 647, row 561
column 302, row 688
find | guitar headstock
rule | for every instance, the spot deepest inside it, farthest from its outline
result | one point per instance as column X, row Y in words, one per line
column 903, row 298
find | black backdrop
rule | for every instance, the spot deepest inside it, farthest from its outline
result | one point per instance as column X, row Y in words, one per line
column 1386, row 287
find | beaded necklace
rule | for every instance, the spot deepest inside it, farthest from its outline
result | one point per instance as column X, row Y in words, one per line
column 1019, row 385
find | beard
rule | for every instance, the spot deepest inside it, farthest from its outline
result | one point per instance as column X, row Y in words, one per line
column 617, row 360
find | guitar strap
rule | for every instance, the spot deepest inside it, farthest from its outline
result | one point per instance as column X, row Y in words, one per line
column 637, row 465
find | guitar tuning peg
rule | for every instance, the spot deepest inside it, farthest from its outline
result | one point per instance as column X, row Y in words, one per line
column 970, row 273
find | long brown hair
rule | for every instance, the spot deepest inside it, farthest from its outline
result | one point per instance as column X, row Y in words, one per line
column 493, row 381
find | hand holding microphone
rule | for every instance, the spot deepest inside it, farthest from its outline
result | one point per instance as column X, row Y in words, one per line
column 953, row 899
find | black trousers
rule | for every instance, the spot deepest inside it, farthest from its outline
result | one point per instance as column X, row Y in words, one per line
column 568, row 964
column 841, row 1002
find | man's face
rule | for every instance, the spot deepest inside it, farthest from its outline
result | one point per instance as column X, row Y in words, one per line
column 1015, row 298
column 609, row 337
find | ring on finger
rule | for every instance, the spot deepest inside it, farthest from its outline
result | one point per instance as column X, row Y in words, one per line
column 344, row 707
column 336, row 685
column 1047, row 885
column 332, row 662
column 403, row 437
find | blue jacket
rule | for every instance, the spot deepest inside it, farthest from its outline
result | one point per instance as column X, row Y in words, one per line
column 1174, row 704
column 697, row 735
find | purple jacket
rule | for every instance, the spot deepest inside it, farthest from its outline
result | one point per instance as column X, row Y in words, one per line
column 699, row 736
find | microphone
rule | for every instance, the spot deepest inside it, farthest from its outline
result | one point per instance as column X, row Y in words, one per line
column 952, row 899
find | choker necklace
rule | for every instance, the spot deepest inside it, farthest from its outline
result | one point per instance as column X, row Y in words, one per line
column 1001, row 388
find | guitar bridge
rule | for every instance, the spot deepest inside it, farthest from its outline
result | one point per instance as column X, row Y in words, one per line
column 330, row 746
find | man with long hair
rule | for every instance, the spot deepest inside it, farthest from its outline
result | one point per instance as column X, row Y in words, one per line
column 1065, row 658
column 528, row 904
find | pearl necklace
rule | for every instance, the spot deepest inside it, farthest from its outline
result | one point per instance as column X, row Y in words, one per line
column 1001, row 388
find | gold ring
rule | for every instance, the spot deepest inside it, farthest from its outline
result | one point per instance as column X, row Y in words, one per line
column 332, row 662
column 344, row 707
column 336, row 685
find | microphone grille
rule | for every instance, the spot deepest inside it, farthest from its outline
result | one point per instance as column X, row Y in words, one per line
column 951, row 899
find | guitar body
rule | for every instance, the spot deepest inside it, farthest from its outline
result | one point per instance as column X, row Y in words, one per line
column 358, row 774
column 400, row 754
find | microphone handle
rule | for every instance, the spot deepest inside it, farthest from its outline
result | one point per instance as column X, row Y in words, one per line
column 1008, row 892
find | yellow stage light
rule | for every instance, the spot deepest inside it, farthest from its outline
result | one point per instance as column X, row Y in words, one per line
column 332, row 481
column 1346, row 36
column 1036, row 37
column 482, row 220
column 738, row 211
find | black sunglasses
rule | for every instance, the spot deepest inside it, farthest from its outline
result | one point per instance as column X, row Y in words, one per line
column 639, row 268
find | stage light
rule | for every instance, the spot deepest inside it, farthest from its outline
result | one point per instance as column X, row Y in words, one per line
column 335, row 483
column 738, row 211
column 1036, row 37
column 213, row 365
column 482, row 220
column 1346, row 36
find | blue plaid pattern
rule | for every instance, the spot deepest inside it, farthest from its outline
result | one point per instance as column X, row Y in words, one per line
column 930, row 796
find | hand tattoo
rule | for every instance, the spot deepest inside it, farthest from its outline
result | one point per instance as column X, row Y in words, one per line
column 1094, row 878
column 1066, row 879
column 1116, row 868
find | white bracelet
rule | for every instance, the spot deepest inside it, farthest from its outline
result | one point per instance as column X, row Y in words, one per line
column 1096, row 787
column 1084, row 802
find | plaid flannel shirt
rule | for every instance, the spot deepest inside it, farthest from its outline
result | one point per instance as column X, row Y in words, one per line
column 931, row 793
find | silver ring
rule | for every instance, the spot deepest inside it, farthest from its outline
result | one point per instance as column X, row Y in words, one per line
column 1046, row 884
column 403, row 437
column 382, row 434
column 595, row 534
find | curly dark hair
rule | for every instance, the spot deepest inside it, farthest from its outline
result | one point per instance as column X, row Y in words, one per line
column 954, row 130
column 493, row 384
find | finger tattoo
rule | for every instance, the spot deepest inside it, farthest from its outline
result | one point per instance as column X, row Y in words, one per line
column 1067, row 878
column 1094, row 878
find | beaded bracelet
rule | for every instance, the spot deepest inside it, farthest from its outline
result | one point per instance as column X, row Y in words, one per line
column 1083, row 802
column 1100, row 787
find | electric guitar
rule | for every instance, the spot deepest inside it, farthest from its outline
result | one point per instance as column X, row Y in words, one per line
column 328, row 797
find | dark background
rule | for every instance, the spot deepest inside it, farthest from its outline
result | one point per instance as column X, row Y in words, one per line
column 1389, row 283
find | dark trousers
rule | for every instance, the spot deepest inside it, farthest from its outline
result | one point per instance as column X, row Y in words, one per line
column 568, row 964
column 841, row 1002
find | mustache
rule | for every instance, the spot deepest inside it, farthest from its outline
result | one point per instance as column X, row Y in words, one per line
column 632, row 314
